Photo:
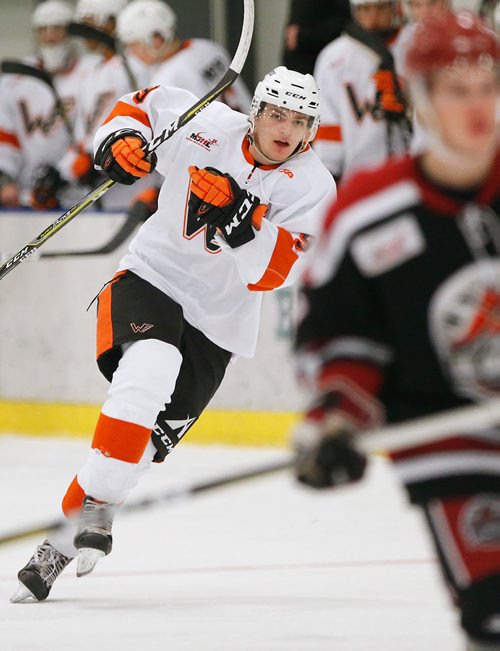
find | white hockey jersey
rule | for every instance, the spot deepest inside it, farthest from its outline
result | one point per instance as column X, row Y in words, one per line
column 197, row 67
column 32, row 132
column 353, row 133
column 219, row 288
column 97, row 97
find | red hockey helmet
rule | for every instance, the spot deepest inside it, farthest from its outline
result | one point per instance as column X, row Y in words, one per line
column 448, row 39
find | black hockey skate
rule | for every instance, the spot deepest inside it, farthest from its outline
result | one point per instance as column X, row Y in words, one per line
column 38, row 575
column 93, row 539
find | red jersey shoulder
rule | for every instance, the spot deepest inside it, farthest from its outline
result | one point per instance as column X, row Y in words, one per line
column 369, row 182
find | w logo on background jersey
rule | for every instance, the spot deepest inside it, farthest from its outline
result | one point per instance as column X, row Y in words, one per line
column 362, row 108
column 45, row 124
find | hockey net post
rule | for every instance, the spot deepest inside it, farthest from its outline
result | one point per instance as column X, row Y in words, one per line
column 89, row 199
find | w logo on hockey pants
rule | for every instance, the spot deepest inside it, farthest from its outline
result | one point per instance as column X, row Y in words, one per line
column 141, row 328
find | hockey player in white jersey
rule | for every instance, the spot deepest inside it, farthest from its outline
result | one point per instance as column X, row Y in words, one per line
column 401, row 315
column 34, row 132
column 363, row 108
column 148, row 27
column 98, row 93
column 240, row 202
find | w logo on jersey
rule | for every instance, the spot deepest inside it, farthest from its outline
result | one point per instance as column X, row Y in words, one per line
column 362, row 108
column 45, row 124
column 195, row 224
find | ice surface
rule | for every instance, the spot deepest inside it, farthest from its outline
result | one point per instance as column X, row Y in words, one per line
column 261, row 565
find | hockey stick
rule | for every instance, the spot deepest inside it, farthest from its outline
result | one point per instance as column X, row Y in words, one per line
column 465, row 420
column 168, row 496
column 132, row 220
column 227, row 80
column 90, row 33
column 9, row 66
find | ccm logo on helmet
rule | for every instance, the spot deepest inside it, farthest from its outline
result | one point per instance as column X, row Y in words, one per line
column 295, row 95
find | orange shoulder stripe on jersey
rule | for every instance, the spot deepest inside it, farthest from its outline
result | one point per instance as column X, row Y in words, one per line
column 129, row 111
column 282, row 260
column 331, row 132
column 9, row 139
column 104, row 320
column 120, row 439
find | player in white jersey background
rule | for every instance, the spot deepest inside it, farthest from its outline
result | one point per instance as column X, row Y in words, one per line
column 241, row 200
column 33, row 133
column 114, row 76
column 194, row 64
column 364, row 111
column 401, row 314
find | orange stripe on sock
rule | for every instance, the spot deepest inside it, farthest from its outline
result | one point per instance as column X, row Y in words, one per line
column 282, row 260
column 126, row 110
column 120, row 439
column 72, row 501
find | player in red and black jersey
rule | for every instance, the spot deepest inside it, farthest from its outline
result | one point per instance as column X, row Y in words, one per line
column 401, row 313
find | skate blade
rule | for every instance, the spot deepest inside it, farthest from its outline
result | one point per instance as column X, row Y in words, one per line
column 21, row 594
column 87, row 560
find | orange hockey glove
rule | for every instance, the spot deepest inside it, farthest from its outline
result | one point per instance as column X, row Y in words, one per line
column 389, row 98
column 83, row 169
column 222, row 203
column 121, row 157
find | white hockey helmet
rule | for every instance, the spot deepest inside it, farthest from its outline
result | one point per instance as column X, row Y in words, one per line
column 52, row 13
column 290, row 90
column 99, row 10
column 141, row 19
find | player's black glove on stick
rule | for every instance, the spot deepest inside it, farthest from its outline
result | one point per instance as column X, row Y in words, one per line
column 46, row 186
column 325, row 455
column 121, row 157
column 221, row 202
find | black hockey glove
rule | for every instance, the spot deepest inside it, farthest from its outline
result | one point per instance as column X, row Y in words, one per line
column 219, row 200
column 46, row 187
column 144, row 204
column 326, row 457
column 121, row 157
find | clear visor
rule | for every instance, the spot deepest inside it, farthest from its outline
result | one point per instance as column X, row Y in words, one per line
column 282, row 115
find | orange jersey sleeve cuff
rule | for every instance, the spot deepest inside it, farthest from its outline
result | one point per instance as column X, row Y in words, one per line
column 282, row 260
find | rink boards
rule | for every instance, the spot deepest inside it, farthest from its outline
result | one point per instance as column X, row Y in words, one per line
column 49, row 382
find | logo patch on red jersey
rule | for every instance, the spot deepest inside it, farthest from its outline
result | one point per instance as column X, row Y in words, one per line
column 389, row 245
column 480, row 522
column 464, row 320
